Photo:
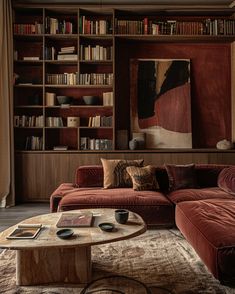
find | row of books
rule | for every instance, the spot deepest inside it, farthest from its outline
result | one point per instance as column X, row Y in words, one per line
column 175, row 27
column 27, row 29
column 108, row 98
column 96, row 79
column 100, row 121
column 96, row 52
column 62, row 79
column 56, row 26
column 87, row 143
column 97, row 27
column 54, row 121
column 33, row 143
column 50, row 53
column 28, row 121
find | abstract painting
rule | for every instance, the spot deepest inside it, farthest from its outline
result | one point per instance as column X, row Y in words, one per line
column 161, row 102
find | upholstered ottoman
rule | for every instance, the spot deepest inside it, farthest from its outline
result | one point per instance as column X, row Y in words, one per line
column 209, row 226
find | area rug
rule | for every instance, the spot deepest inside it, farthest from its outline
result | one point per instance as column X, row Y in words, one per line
column 158, row 258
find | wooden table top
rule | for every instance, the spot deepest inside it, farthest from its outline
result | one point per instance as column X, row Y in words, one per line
column 83, row 236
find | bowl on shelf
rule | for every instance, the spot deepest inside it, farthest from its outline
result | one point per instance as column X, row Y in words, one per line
column 63, row 99
column 90, row 100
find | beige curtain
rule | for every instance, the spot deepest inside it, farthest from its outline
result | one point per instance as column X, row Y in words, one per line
column 7, row 197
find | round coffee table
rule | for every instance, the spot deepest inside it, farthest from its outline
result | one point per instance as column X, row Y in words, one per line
column 49, row 259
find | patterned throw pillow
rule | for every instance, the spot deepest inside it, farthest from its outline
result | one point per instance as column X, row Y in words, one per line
column 143, row 178
column 115, row 174
column 181, row 176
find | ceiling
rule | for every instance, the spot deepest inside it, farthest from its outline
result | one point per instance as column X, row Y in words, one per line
column 158, row 2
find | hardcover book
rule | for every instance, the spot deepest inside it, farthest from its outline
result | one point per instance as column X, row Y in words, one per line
column 25, row 231
column 81, row 219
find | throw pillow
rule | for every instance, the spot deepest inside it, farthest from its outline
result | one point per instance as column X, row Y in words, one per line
column 115, row 174
column 181, row 176
column 226, row 180
column 143, row 178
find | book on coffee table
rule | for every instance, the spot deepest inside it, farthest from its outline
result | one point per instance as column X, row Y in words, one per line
column 25, row 231
column 83, row 219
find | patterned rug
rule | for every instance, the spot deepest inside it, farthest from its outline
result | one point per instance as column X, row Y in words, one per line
column 158, row 258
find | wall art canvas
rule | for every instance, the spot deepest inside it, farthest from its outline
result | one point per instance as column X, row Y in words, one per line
column 161, row 102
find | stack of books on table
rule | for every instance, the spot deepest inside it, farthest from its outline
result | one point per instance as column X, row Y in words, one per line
column 67, row 53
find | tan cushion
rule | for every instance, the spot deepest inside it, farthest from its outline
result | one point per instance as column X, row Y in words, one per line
column 115, row 174
column 143, row 178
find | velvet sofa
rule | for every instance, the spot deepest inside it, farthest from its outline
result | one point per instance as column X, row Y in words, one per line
column 156, row 207
column 204, row 214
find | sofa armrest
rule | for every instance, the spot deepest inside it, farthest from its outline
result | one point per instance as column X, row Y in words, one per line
column 89, row 176
column 58, row 194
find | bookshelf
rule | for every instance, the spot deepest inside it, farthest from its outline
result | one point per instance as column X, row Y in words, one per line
column 85, row 50
column 56, row 54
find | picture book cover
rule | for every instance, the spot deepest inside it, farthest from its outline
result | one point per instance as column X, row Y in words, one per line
column 81, row 219
column 25, row 232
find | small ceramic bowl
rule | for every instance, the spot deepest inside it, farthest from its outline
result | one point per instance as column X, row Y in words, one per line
column 63, row 99
column 64, row 233
column 90, row 100
column 107, row 227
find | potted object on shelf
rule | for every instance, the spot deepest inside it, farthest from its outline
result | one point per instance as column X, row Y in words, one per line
column 90, row 100
column 63, row 100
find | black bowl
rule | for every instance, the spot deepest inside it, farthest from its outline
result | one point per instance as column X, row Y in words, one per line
column 107, row 227
column 64, row 233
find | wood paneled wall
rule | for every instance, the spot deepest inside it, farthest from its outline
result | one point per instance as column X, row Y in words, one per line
column 38, row 175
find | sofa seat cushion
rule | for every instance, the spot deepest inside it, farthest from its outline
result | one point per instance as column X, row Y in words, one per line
column 209, row 225
column 153, row 206
column 198, row 194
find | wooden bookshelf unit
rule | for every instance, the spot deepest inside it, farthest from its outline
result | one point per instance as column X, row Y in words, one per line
column 87, row 50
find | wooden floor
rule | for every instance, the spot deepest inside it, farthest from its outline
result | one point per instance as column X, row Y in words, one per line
column 13, row 215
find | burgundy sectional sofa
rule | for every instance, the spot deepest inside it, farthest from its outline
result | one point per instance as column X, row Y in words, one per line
column 205, row 215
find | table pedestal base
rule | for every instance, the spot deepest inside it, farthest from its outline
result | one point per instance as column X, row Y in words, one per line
column 53, row 265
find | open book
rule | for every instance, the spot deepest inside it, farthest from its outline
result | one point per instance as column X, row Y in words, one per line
column 79, row 219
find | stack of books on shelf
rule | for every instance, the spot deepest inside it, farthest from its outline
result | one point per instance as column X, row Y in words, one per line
column 108, row 98
column 96, row 79
column 87, row 143
column 97, row 27
column 100, row 121
column 60, row 148
column 33, row 143
column 27, row 29
column 67, row 53
column 53, row 121
column 28, row 121
column 30, row 58
column 62, row 79
column 96, row 52
column 56, row 26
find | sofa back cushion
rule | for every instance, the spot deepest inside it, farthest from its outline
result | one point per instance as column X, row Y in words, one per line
column 207, row 174
column 226, row 180
column 92, row 175
column 89, row 176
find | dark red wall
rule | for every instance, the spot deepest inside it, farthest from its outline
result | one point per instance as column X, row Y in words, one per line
column 210, row 85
